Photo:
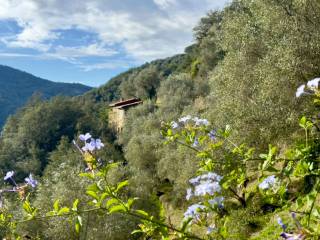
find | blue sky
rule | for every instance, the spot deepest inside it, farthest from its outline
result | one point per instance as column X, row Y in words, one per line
column 90, row 41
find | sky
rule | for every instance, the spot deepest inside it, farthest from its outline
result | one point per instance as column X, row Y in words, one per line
column 90, row 41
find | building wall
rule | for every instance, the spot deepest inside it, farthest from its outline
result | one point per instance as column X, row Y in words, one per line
column 116, row 119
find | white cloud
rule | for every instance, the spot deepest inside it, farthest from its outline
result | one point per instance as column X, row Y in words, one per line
column 105, row 65
column 94, row 49
column 14, row 55
column 163, row 4
column 144, row 29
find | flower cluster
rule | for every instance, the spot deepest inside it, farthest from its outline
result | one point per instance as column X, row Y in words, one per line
column 188, row 119
column 207, row 184
column 212, row 134
column 88, row 150
column 291, row 236
column 91, row 144
column 19, row 188
column 217, row 201
column 310, row 88
column 30, row 181
column 268, row 182
column 194, row 212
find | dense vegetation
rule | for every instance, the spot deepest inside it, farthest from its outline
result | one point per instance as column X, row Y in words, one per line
column 243, row 70
column 17, row 87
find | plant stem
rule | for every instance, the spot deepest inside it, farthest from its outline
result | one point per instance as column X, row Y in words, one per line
column 188, row 146
column 306, row 132
column 239, row 198
column 62, row 215
column 164, row 225
column 313, row 203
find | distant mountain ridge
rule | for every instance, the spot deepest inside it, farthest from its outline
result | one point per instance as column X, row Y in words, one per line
column 16, row 87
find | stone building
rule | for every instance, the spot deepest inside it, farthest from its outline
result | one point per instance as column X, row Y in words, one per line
column 118, row 111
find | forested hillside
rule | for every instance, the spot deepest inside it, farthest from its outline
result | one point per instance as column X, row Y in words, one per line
column 17, row 87
column 210, row 117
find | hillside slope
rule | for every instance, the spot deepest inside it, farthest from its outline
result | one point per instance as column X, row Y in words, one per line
column 112, row 91
column 18, row 86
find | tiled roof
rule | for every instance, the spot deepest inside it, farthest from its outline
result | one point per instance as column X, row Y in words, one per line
column 126, row 103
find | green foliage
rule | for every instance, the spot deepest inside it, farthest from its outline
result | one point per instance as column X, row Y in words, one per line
column 265, row 54
column 143, row 85
column 135, row 82
column 35, row 131
column 242, row 71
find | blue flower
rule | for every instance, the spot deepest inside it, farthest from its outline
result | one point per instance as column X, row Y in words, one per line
column 9, row 175
column 280, row 222
column 98, row 144
column 299, row 235
column 293, row 215
column 206, row 184
column 93, row 145
column 85, row 137
column 184, row 119
column 193, row 211
column 300, row 90
column 217, row 201
column 212, row 176
column 174, row 124
column 207, row 187
column 30, row 181
column 189, row 193
column 212, row 134
column 269, row 182
column 195, row 181
column 199, row 121
column 88, row 147
column 314, row 83
column 195, row 143
column 290, row 236
column 210, row 229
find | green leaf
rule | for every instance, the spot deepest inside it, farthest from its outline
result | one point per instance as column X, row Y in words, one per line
column 109, row 167
column 103, row 196
column 93, row 187
column 111, row 202
column 227, row 131
column 75, row 205
column 136, row 231
column 303, row 121
column 185, row 225
column 316, row 101
column 263, row 155
column 79, row 220
column 117, row 208
column 77, row 227
column 316, row 212
column 122, row 185
column 56, row 205
column 131, row 201
column 27, row 207
column 78, row 224
column 143, row 213
column 87, row 175
column 92, row 194
column 63, row 210
column 51, row 213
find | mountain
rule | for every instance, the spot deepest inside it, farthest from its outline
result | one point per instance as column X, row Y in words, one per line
column 18, row 86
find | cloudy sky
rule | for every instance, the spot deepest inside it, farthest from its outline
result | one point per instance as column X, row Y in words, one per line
column 89, row 41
